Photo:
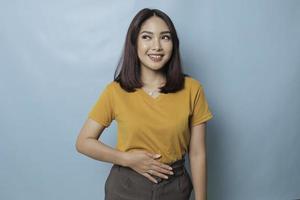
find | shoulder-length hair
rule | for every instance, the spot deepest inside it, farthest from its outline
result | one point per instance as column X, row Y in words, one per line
column 128, row 73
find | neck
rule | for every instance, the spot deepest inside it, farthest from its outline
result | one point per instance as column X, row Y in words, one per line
column 152, row 78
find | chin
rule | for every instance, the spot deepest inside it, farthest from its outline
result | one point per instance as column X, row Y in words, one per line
column 155, row 66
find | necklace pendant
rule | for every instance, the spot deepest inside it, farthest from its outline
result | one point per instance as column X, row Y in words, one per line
column 151, row 93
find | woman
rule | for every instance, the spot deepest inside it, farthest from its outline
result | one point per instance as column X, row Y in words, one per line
column 161, row 114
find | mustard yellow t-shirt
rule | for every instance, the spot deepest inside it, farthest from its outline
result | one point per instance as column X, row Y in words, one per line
column 158, row 125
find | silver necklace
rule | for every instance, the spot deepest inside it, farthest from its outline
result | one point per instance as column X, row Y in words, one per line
column 152, row 92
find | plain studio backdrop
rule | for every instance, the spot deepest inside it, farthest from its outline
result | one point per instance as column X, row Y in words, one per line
column 57, row 56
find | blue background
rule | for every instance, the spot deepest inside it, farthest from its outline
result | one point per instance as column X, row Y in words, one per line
column 57, row 56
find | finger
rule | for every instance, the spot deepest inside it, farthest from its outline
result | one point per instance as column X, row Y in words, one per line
column 156, row 173
column 162, row 165
column 150, row 177
column 162, row 170
column 154, row 156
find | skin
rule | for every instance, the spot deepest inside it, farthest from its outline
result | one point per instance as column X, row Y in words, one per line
column 151, row 41
column 154, row 40
column 197, row 157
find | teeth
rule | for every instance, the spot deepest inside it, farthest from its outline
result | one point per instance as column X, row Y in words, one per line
column 155, row 56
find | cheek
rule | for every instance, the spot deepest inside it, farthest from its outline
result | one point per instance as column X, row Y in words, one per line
column 169, row 48
column 142, row 48
column 140, row 52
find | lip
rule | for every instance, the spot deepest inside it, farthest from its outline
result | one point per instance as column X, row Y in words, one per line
column 156, row 57
column 154, row 54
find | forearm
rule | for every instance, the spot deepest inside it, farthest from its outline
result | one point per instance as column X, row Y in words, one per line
column 99, row 151
column 199, row 177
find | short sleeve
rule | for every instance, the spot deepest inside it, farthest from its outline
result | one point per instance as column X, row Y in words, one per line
column 102, row 111
column 201, row 112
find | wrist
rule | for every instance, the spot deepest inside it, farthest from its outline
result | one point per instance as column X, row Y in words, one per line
column 124, row 159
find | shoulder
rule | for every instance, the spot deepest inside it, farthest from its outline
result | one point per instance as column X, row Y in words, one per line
column 113, row 85
column 113, row 88
column 192, row 83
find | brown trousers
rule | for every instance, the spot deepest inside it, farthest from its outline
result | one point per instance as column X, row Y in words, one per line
column 123, row 183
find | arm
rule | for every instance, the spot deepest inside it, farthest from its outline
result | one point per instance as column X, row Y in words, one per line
column 87, row 143
column 197, row 157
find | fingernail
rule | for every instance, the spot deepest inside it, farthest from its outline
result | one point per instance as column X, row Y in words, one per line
column 171, row 173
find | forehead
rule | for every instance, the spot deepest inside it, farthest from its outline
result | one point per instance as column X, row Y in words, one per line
column 154, row 24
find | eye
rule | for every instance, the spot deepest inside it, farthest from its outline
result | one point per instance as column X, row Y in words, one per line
column 145, row 36
column 166, row 37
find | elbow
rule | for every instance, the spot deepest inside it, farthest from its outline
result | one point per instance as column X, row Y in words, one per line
column 78, row 146
column 81, row 145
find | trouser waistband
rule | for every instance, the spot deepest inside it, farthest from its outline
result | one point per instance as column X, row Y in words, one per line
column 177, row 168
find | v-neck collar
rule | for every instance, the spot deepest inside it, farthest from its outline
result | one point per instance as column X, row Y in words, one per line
column 150, row 98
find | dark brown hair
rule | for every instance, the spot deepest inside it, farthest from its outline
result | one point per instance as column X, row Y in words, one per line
column 128, row 69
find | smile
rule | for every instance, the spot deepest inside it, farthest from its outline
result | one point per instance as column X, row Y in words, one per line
column 156, row 57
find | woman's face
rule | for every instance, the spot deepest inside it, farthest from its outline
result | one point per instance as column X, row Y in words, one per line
column 154, row 43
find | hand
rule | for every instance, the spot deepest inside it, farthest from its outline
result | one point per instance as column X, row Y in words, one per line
column 145, row 164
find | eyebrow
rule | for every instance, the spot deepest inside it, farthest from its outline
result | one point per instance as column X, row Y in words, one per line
column 163, row 32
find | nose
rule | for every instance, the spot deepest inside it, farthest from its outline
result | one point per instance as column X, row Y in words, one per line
column 156, row 44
